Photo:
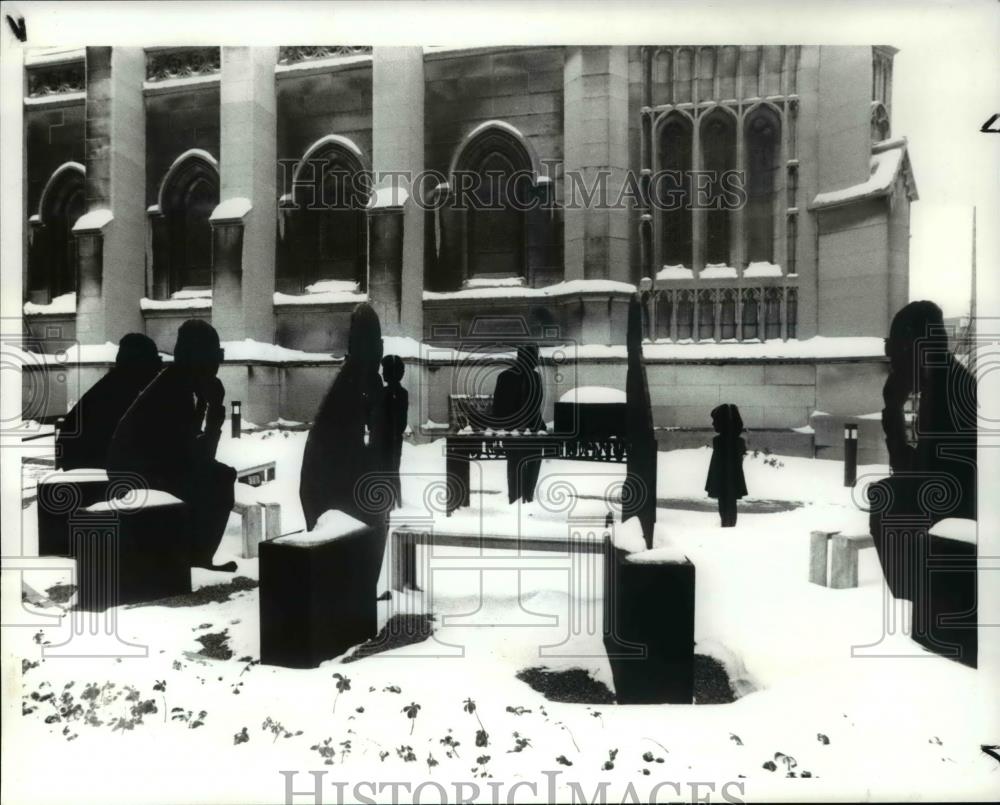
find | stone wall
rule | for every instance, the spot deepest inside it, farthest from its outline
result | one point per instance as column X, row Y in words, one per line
column 178, row 121
column 53, row 136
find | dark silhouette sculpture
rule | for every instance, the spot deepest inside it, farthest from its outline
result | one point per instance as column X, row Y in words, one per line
column 930, row 481
column 725, row 480
column 397, row 405
column 517, row 405
column 171, row 432
column 344, row 465
column 639, row 494
column 87, row 429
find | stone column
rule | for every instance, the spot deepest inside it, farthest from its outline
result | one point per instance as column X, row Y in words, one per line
column 595, row 126
column 111, row 235
column 395, row 220
column 245, row 222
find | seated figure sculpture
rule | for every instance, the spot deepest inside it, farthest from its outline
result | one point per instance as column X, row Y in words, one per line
column 932, row 480
column 87, row 429
column 170, row 434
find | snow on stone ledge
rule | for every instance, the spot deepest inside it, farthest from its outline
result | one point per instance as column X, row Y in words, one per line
column 593, row 394
column 182, row 300
column 77, row 475
column 141, row 499
column 64, row 304
column 958, row 529
column 332, row 525
column 333, row 286
column 494, row 282
column 762, row 269
column 885, row 166
column 717, row 271
column 675, row 273
column 388, row 197
column 93, row 221
column 232, row 209
column 559, row 289
column 324, row 292
column 250, row 350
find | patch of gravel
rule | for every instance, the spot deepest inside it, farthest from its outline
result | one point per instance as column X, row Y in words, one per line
column 215, row 645
column 212, row 594
column 577, row 686
column 711, row 682
column 399, row 630
column 61, row 593
column 574, row 685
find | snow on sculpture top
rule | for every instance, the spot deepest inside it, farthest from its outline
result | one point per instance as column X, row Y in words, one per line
column 593, row 395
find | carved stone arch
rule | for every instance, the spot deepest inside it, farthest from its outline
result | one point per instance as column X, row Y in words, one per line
column 497, row 231
column 182, row 242
column 52, row 248
column 327, row 237
column 881, row 128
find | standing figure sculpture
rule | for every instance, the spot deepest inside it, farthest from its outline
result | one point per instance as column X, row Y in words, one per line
column 517, row 405
column 170, row 434
column 86, row 431
column 725, row 480
column 343, row 466
column 639, row 493
column 397, row 405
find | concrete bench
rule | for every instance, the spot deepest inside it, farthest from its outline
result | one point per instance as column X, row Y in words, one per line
column 404, row 542
column 260, row 520
column 842, row 550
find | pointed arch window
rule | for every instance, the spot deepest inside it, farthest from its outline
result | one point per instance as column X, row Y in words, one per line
column 496, row 231
column 673, row 188
column 763, row 145
column 189, row 194
column 52, row 259
column 718, row 132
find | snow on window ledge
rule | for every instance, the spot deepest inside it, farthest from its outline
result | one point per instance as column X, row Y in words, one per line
column 63, row 305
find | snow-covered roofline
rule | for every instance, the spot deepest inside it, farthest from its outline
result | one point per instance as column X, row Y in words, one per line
column 888, row 161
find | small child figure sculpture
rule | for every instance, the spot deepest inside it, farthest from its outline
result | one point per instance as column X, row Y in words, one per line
column 725, row 472
column 397, row 403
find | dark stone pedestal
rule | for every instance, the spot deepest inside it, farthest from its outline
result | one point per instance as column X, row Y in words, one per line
column 130, row 556
column 60, row 494
column 317, row 595
column 649, row 629
column 944, row 603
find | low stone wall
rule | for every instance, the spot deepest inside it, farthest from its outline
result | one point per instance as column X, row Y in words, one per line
column 774, row 397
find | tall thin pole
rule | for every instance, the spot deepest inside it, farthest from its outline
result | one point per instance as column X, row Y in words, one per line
column 971, row 329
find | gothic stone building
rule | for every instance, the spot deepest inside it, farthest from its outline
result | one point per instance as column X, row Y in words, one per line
column 167, row 183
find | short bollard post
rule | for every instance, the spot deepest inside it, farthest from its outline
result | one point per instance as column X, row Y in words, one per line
column 850, row 454
column 236, row 419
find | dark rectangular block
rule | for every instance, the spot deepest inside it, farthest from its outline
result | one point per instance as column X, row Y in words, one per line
column 317, row 595
column 944, row 601
column 130, row 554
column 60, row 495
column 590, row 420
column 649, row 629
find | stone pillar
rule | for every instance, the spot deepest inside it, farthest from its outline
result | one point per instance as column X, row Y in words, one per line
column 245, row 222
column 111, row 235
column 395, row 220
column 595, row 98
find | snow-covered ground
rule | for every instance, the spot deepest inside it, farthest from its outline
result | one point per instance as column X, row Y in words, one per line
column 867, row 715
